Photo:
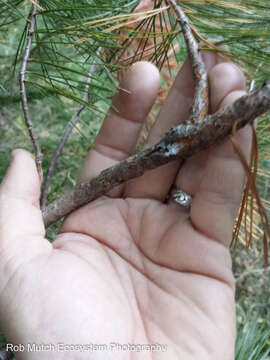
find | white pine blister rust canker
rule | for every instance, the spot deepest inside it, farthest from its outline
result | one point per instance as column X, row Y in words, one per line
column 172, row 149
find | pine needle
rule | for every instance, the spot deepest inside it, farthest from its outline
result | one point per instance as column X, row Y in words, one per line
column 251, row 172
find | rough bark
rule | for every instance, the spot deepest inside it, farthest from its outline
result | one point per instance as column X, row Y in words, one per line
column 180, row 142
column 200, row 102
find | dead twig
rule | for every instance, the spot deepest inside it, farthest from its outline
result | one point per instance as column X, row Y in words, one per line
column 69, row 128
column 29, row 40
column 180, row 142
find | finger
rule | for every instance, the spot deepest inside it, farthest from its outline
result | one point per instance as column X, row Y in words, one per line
column 21, row 225
column 120, row 130
column 227, row 83
column 215, row 177
column 156, row 183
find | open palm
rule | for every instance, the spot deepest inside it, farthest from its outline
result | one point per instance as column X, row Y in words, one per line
column 129, row 268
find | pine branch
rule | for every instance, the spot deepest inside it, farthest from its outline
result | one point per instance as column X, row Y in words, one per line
column 69, row 128
column 180, row 142
column 183, row 141
column 27, row 119
column 200, row 103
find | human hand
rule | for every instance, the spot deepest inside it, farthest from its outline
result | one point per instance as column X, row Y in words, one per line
column 129, row 268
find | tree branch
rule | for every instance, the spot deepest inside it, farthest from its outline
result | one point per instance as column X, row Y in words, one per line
column 69, row 128
column 31, row 29
column 200, row 102
column 180, row 142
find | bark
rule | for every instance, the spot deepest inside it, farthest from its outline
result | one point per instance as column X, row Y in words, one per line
column 24, row 101
column 200, row 103
column 180, row 143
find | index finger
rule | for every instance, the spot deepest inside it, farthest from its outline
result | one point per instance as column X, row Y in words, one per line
column 120, row 130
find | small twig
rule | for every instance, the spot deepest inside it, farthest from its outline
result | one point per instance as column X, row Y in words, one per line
column 200, row 103
column 6, row 354
column 221, row 52
column 69, row 128
column 31, row 29
column 180, row 142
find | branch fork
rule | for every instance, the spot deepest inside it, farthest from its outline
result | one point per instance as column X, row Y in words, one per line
column 197, row 133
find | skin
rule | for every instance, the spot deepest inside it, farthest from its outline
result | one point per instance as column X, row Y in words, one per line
column 129, row 268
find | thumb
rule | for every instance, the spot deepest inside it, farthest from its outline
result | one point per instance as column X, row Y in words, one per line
column 21, row 225
column 21, row 181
